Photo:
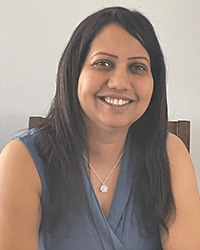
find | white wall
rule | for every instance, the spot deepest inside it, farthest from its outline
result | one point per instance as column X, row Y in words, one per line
column 34, row 33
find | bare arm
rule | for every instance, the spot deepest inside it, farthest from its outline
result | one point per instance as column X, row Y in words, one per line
column 20, row 192
column 184, row 233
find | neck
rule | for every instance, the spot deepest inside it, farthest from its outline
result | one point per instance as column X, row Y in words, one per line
column 105, row 147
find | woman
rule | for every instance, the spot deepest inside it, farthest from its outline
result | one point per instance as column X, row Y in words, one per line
column 102, row 172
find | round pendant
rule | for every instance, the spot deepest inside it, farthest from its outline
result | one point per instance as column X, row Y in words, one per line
column 104, row 188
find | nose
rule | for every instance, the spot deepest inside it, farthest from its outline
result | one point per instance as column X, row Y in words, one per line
column 119, row 80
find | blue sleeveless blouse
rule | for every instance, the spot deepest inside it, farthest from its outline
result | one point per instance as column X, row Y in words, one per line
column 121, row 230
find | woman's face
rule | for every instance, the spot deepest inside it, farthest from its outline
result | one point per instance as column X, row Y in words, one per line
column 115, row 85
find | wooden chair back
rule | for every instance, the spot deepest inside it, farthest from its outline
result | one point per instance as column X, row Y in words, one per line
column 180, row 128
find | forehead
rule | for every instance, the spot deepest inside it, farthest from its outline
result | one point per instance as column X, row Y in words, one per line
column 115, row 39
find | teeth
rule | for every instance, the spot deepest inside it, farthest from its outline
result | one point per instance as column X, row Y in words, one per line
column 120, row 102
column 116, row 102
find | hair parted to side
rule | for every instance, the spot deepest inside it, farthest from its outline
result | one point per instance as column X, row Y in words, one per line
column 63, row 137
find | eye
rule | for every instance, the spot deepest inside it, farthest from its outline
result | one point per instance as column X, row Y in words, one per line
column 103, row 65
column 138, row 68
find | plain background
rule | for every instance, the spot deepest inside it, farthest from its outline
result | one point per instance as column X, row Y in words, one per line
column 33, row 34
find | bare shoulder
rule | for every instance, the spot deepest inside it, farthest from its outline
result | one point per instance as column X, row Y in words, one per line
column 184, row 231
column 181, row 166
column 15, row 158
column 20, row 192
column 175, row 146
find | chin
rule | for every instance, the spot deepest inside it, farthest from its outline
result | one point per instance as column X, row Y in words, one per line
column 117, row 125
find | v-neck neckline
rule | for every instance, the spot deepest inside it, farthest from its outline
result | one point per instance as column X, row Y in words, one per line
column 122, row 191
column 123, row 188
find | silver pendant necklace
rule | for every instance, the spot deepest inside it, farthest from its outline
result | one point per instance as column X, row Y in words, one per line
column 103, row 188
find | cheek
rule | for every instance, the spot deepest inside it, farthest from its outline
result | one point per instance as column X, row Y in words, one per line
column 145, row 90
column 82, row 85
column 87, row 83
column 151, row 88
column 149, row 91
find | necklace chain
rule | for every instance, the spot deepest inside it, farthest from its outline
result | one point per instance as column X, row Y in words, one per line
column 103, row 187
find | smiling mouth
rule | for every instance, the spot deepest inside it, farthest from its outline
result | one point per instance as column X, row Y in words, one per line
column 115, row 101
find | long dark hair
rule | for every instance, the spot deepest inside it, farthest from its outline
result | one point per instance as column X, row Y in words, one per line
column 63, row 135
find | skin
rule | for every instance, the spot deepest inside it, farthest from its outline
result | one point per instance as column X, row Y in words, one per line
column 21, row 189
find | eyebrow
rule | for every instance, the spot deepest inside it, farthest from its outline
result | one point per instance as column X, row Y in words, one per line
column 104, row 53
column 139, row 57
column 129, row 58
